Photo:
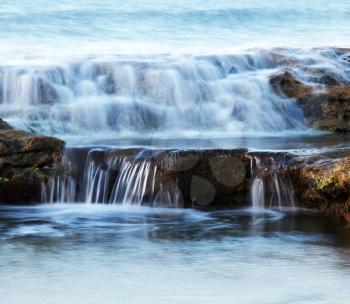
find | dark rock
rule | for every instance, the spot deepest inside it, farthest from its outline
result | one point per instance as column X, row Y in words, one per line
column 213, row 179
column 4, row 125
column 26, row 160
column 324, row 185
column 326, row 109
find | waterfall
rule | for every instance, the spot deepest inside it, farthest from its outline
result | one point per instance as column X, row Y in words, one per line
column 134, row 181
column 165, row 178
column 228, row 94
column 58, row 190
column 258, row 193
column 130, row 96
column 270, row 187
column 118, row 180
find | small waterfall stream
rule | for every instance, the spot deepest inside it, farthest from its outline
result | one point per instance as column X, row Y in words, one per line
column 127, row 178
column 270, row 187
column 118, row 180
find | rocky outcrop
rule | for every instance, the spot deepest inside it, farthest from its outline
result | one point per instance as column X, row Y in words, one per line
column 326, row 107
column 212, row 179
column 26, row 160
column 205, row 179
column 323, row 183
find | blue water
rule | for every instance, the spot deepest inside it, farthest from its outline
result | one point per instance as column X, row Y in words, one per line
column 162, row 73
column 103, row 254
column 163, row 69
column 74, row 27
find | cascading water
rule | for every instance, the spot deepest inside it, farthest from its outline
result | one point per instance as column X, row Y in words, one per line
column 118, row 180
column 257, row 192
column 171, row 178
column 59, row 190
column 183, row 95
column 226, row 95
column 270, row 188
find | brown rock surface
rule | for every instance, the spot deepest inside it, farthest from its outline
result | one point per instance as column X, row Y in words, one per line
column 325, row 108
column 26, row 160
column 324, row 185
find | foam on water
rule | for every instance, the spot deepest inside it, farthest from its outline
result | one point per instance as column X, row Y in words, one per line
column 127, row 96
column 124, row 69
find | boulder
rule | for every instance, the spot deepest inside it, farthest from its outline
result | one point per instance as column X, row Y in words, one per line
column 214, row 179
column 26, row 160
column 4, row 125
column 325, row 108
column 324, row 185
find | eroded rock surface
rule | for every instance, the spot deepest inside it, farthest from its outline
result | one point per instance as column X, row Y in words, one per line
column 325, row 107
column 323, row 183
column 26, row 160
column 212, row 179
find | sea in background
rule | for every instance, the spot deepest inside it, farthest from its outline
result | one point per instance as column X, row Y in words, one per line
column 90, row 71
column 58, row 30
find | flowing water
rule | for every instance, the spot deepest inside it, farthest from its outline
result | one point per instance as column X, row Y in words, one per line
column 108, row 254
column 89, row 71
column 169, row 74
column 270, row 189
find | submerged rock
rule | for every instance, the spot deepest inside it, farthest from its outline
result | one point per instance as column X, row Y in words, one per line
column 26, row 160
column 46, row 92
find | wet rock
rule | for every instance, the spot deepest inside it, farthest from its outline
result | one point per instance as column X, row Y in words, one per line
column 207, row 179
column 26, row 160
column 212, row 179
column 4, row 125
column 324, row 185
column 324, row 108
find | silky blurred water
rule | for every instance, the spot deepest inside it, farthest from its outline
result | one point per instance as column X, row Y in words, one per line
column 104, row 254
column 71, row 50
column 136, row 69
column 75, row 27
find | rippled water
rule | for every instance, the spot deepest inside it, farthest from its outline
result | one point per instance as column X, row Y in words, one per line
column 101, row 254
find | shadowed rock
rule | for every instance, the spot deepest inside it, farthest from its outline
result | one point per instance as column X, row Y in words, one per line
column 26, row 160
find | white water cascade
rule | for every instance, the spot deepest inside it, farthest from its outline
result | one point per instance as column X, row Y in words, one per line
column 270, row 188
column 121, row 96
column 59, row 190
column 119, row 181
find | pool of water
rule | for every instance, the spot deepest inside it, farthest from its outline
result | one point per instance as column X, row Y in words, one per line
column 73, row 253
